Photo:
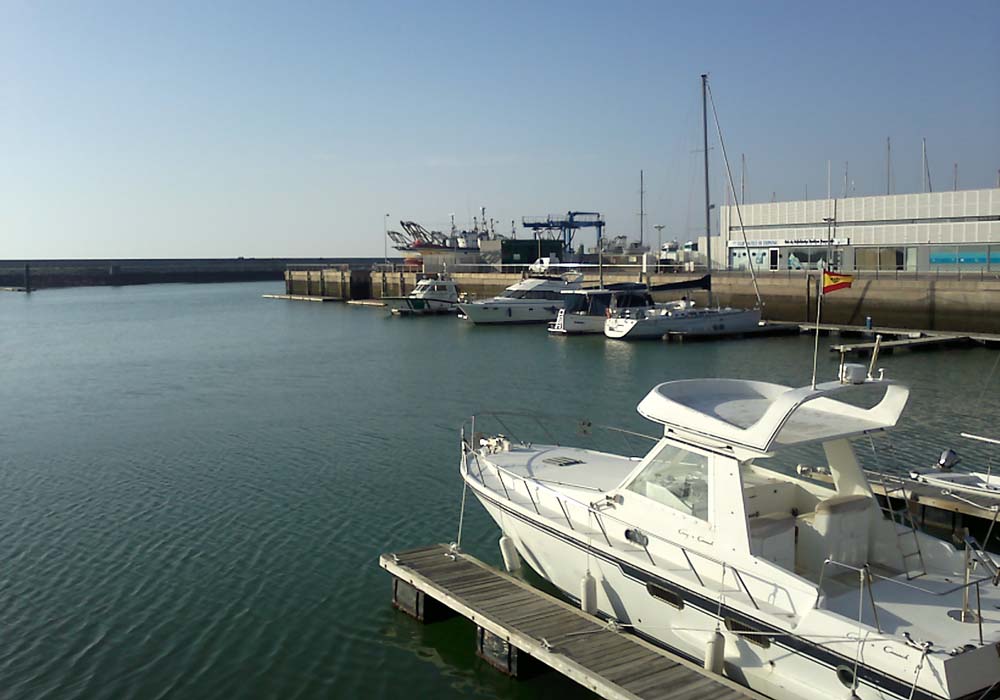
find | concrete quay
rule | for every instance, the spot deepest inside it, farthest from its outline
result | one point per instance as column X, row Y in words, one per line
column 929, row 302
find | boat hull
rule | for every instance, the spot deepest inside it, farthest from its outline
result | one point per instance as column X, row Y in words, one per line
column 409, row 306
column 778, row 671
column 578, row 324
column 490, row 312
column 700, row 323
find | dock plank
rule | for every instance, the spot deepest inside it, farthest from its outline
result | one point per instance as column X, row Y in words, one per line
column 611, row 662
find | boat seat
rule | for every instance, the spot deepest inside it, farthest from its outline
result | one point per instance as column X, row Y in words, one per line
column 772, row 537
column 837, row 530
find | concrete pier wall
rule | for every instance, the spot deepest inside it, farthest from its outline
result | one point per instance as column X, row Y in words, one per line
column 931, row 303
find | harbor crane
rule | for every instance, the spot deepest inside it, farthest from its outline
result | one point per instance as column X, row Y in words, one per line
column 565, row 225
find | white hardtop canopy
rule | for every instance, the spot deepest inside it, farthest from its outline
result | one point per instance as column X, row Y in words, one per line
column 752, row 417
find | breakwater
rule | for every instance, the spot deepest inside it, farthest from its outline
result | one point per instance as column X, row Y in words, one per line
column 41, row 274
column 930, row 302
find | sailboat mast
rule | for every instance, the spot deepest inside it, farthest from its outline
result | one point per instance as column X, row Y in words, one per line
column 708, row 206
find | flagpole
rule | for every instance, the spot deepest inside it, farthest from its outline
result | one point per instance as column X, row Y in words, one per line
column 819, row 307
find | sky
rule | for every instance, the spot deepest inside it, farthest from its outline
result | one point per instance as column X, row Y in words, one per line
column 286, row 129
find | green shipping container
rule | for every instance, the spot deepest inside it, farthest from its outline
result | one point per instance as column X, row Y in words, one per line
column 526, row 251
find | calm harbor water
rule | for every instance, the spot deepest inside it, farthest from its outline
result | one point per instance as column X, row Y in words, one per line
column 196, row 483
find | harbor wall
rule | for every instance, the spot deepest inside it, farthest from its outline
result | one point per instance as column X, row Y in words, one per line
column 42, row 274
column 946, row 303
column 927, row 303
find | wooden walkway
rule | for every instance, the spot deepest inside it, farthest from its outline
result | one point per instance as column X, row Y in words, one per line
column 611, row 663
column 299, row 297
column 887, row 346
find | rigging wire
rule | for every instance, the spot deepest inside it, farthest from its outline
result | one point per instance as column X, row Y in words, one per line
column 732, row 189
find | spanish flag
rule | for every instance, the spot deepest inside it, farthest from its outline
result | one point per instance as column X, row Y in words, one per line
column 833, row 281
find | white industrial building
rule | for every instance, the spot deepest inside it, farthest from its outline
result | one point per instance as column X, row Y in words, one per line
column 939, row 231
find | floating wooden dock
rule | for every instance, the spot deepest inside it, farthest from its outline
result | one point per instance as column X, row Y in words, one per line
column 515, row 619
column 887, row 346
column 366, row 302
column 299, row 297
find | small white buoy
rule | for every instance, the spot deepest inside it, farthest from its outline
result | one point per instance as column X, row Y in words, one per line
column 588, row 594
column 511, row 559
column 715, row 652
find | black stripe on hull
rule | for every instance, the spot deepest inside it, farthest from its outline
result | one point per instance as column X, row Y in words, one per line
column 877, row 680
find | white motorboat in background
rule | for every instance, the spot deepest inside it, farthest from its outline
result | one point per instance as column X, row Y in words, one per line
column 532, row 300
column 680, row 317
column 430, row 296
column 586, row 310
column 974, row 483
column 795, row 588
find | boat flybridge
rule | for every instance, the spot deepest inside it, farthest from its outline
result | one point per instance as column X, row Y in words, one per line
column 535, row 299
column 711, row 546
column 430, row 296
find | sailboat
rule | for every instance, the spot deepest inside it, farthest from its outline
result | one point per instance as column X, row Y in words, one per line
column 688, row 319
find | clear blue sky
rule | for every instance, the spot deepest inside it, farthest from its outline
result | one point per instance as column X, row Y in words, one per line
column 162, row 129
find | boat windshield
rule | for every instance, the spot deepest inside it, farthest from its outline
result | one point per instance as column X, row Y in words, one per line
column 531, row 294
column 592, row 304
column 675, row 478
column 633, row 300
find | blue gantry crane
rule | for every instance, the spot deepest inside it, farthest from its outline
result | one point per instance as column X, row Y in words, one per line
column 565, row 224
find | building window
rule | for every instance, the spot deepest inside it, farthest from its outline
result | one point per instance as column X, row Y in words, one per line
column 973, row 256
column 944, row 257
column 676, row 478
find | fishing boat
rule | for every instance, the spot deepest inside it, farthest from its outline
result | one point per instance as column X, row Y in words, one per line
column 535, row 299
column 794, row 588
column 967, row 483
column 430, row 296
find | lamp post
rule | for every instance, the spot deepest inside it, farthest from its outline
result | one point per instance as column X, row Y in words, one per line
column 659, row 243
column 385, row 238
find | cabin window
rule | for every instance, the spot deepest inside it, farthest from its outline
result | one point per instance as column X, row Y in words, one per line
column 666, row 595
column 676, row 478
column 575, row 303
column 749, row 633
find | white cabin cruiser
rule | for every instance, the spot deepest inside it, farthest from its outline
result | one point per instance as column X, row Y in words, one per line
column 681, row 318
column 430, row 296
column 974, row 483
column 811, row 591
column 586, row 310
column 532, row 300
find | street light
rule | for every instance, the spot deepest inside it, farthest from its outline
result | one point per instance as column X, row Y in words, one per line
column 829, row 241
column 385, row 238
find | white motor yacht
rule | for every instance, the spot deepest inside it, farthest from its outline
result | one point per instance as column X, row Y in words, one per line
column 430, row 296
column 680, row 317
column 967, row 483
column 794, row 588
column 532, row 300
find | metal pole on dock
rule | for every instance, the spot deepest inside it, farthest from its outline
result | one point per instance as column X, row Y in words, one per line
column 27, row 278
column 708, row 205
column 819, row 308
